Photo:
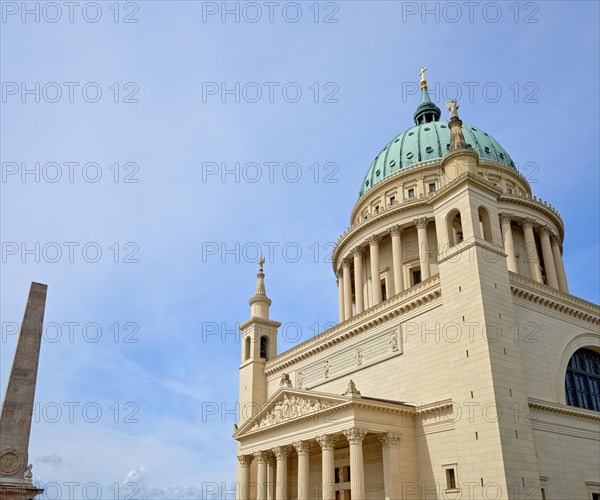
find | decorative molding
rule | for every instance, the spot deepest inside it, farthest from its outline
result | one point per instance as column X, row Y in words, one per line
column 554, row 240
column 288, row 409
column 544, row 230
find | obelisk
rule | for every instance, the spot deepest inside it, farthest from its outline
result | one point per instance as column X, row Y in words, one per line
column 15, row 423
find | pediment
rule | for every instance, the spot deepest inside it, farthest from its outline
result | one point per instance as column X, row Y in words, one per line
column 289, row 405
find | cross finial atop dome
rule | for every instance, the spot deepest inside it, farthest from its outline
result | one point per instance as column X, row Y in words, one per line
column 423, row 80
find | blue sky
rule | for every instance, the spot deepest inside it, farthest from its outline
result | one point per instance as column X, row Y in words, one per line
column 173, row 182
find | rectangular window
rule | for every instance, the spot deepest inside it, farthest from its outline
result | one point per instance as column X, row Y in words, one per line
column 383, row 291
column 450, row 479
column 377, row 209
column 392, row 200
column 432, row 187
column 543, row 494
column 411, row 193
column 416, row 276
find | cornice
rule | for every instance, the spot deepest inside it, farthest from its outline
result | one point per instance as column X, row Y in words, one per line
column 425, row 292
column 537, row 204
column 532, row 291
column 572, row 411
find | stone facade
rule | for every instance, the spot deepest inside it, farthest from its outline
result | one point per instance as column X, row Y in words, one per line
column 445, row 377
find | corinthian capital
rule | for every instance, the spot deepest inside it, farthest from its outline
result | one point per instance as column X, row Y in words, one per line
column 355, row 435
column 261, row 457
column 390, row 438
column 346, row 263
column 421, row 223
column 302, row 447
column 374, row 240
column 327, row 442
column 395, row 230
column 505, row 218
column 281, row 451
column 245, row 460
column 527, row 222
column 545, row 230
column 554, row 240
column 358, row 251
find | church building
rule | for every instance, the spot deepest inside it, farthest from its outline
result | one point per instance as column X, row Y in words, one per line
column 461, row 366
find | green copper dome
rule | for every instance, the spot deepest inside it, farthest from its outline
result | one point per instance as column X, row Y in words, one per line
column 427, row 142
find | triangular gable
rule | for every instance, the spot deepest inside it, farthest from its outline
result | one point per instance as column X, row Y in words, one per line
column 288, row 405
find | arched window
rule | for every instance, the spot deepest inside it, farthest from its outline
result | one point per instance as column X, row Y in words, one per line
column 485, row 226
column 264, row 343
column 454, row 226
column 582, row 382
column 248, row 346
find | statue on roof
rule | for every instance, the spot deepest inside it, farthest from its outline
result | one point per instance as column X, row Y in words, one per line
column 453, row 108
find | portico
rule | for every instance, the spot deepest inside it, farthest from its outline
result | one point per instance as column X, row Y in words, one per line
column 320, row 442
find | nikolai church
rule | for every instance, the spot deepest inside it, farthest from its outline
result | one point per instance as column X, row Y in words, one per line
column 461, row 366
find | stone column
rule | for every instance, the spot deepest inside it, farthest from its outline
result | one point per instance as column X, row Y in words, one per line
column 396, row 233
column 340, row 279
column 531, row 250
column 243, row 485
column 375, row 274
column 271, row 481
column 390, row 450
column 355, row 437
column 358, row 281
column 261, row 477
column 347, row 289
column 423, row 246
column 551, row 276
column 281, row 452
column 559, row 265
column 328, row 469
column 303, row 448
column 509, row 243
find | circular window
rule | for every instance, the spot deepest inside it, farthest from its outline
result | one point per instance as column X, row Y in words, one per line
column 429, row 149
column 448, row 147
column 392, row 163
column 469, row 146
column 487, row 150
column 378, row 173
column 426, row 129
column 409, row 155
column 411, row 133
column 472, row 128
column 367, row 183
column 397, row 139
column 501, row 155
column 443, row 126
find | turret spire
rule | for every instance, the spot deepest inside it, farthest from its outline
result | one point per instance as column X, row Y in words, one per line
column 259, row 304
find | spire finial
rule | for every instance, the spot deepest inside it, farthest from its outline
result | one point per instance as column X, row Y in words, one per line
column 423, row 80
column 261, row 263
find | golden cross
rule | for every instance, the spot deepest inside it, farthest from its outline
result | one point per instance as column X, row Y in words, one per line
column 422, row 74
